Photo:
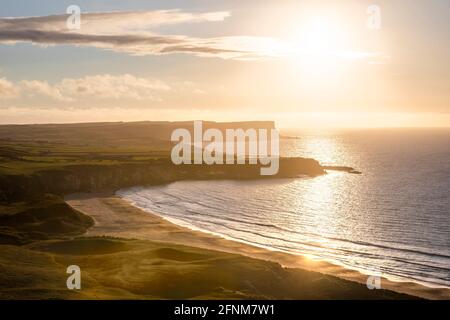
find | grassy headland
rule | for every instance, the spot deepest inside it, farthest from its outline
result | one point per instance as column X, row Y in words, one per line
column 63, row 159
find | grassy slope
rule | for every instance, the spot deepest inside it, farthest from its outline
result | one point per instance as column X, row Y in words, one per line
column 46, row 218
column 131, row 269
column 28, row 157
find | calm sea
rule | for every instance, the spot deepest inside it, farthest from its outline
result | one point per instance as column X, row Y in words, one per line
column 394, row 218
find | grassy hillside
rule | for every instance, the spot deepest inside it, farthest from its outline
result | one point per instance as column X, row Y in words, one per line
column 131, row 269
column 47, row 218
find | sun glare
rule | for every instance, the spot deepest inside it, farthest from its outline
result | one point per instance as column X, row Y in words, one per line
column 319, row 37
column 318, row 44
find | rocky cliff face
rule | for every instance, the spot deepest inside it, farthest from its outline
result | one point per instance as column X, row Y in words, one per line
column 32, row 208
column 95, row 178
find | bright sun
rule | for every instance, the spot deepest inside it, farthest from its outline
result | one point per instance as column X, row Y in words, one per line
column 318, row 36
column 318, row 43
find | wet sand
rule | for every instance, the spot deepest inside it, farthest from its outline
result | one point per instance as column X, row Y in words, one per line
column 116, row 217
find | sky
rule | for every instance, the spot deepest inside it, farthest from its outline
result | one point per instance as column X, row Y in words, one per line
column 341, row 63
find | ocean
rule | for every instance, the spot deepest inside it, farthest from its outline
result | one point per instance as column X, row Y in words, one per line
column 394, row 218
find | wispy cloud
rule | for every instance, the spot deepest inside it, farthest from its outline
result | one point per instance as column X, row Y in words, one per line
column 132, row 33
column 112, row 22
column 112, row 87
column 136, row 33
column 96, row 87
column 8, row 89
column 35, row 87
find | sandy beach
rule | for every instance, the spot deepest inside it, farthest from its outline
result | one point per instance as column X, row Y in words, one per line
column 116, row 217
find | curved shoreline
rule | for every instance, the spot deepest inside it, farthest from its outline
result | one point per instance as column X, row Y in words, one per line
column 191, row 227
column 117, row 217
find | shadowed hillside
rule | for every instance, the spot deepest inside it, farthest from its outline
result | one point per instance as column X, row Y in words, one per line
column 131, row 269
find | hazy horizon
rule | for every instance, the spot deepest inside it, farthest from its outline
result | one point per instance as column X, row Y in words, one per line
column 284, row 129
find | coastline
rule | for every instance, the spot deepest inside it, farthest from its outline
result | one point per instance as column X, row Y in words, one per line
column 115, row 217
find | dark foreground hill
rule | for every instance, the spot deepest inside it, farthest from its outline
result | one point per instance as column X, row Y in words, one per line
column 133, row 269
